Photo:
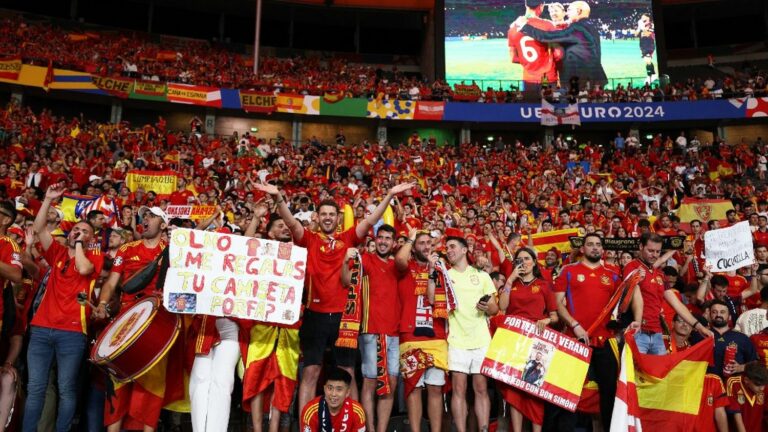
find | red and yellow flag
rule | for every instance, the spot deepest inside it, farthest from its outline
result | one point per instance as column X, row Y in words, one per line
column 559, row 239
column 661, row 392
column 704, row 210
column 272, row 364
column 10, row 68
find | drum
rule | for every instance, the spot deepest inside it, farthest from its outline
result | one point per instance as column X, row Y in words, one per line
column 136, row 340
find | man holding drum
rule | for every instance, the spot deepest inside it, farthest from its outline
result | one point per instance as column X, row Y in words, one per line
column 137, row 403
column 59, row 327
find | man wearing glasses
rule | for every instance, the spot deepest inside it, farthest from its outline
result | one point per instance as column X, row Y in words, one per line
column 59, row 327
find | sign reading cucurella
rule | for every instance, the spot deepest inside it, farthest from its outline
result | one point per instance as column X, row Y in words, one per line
column 234, row 276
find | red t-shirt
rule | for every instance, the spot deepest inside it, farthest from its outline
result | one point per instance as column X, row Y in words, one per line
column 750, row 405
column 713, row 396
column 381, row 314
column 325, row 256
column 587, row 291
column 9, row 254
column 59, row 308
column 180, row 197
column 131, row 258
column 761, row 238
column 531, row 301
column 760, row 341
column 310, row 417
column 532, row 55
column 736, row 284
column 652, row 288
column 413, row 305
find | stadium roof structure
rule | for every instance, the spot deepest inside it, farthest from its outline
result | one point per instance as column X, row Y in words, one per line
column 238, row 6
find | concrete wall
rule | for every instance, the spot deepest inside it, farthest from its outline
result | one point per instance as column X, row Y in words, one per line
column 267, row 128
column 355, row 133
column 734, row 134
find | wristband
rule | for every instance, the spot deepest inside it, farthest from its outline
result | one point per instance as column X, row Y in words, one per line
column 574, row 324
column 695, row 324
column 408, row 241
column 80, row 242
column 103, row 303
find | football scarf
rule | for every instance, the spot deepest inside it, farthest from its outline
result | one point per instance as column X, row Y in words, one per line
column 349, row 329
column 382, row 376
column 326, row 422
column 445, row 295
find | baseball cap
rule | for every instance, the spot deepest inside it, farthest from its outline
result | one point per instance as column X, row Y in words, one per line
column 157, row 211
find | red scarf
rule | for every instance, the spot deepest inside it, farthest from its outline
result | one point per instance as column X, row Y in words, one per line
column 349, row 329
column 382, row 375
column 445, row 295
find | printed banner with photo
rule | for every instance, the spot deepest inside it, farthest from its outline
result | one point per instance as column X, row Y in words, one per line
column 729, row 248
column 234, row 276
column 537, row 41
column 550, row 365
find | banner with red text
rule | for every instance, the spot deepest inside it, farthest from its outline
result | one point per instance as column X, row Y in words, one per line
column 550, row 365
column 189, row 211
column 464, row 92
column 234, row 276
column 194, row 95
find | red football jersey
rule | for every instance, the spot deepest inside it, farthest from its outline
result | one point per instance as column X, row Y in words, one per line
column 131, row 258
column 587, row 292
column 652, row 289
column 381, row 314
column 713, row 396
column 10, row 254
column 325, row 256
column 352, row 410
column 750, row 405
column 535, row 57
column 531, row 301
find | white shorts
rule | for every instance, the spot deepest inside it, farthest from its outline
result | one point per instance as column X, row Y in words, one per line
column 466, row 361
column 432, row 376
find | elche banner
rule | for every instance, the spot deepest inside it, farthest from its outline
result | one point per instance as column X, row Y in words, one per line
column 229, row 275
column 550, row 365
column 189, row 211
column 729, row 248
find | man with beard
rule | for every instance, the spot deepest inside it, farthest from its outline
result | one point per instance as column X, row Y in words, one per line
column 379, row 341
column 727, row 339
column 273, row 353
column 423, row 345
column 326, row 297
column 655, row 297
column 580, row 42
column 134, row 404
column 582, row 291
column 59, row 328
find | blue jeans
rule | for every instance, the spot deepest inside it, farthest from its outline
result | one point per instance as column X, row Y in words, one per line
column 68, row 347
column 650, row 343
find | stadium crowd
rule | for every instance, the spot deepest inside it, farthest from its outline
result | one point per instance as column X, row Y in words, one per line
column 113, row 53
column 466, row 207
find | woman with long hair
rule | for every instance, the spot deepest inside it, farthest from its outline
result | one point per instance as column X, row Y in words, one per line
column 527, row 294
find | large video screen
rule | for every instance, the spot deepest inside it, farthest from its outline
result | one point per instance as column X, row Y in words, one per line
column 525, row 43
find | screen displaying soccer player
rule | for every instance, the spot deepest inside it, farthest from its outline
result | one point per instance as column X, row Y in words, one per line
column 532, row 43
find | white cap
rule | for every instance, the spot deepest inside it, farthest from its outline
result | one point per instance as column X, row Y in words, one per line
column 157, row 211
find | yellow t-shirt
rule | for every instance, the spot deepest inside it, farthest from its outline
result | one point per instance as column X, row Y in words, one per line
column 468, row 326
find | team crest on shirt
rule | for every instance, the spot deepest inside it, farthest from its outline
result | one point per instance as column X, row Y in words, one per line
column 118, row 261
column 535, row 289
column 307, row 428
column 474, row 279
column 740, row 399
column 658, row 280
column 760, row 398
column 605, row 280
column 580, row 278
column 710, row 400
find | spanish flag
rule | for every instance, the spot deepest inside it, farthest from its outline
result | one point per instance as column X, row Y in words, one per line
column 704, row 210
column 724, row 169
column 660, row 392
column 559, row 239
column 272, row 365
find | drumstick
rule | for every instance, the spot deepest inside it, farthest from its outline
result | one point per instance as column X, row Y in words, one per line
column 82, row 300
